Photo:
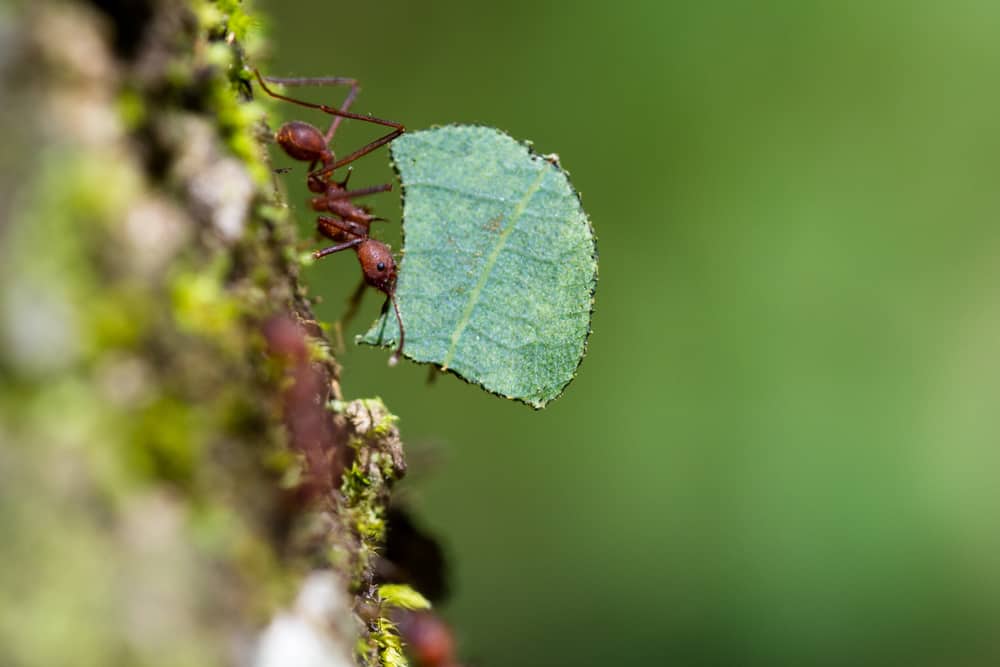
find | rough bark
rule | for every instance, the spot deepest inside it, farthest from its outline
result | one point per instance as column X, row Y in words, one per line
column 180, row 480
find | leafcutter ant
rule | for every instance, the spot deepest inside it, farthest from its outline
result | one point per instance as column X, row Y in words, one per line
column 341, row 220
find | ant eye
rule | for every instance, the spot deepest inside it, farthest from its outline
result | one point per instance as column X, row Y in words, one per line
column 380, row 266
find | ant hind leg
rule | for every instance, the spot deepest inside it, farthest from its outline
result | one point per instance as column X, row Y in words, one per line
column 364, row 150
column 320, row 107
column 325, row 81
column 398, row 128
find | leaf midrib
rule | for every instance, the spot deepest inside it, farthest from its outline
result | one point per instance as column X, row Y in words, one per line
column 476, row 292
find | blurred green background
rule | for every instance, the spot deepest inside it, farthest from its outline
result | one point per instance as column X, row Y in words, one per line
column 783, row 445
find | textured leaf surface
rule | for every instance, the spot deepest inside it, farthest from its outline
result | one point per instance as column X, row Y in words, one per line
column 499, row 263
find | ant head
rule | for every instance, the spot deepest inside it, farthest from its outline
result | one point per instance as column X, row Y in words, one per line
column 380, row 272
column 304, row 142
column 378, row 265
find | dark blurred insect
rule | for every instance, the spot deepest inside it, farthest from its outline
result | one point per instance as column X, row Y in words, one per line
column 347, row 224
column 412, row 556
column 427, row 639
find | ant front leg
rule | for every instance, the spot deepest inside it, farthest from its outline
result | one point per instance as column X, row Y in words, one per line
column 364, row 150
column 337, row 248
column 325, row 81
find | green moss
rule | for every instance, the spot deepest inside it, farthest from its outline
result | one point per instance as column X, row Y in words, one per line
column 384, row 427
column 354, row 485
column 131, row 109
column 305, row 258
column 199, row 301
column 221, row 55
column 237, row 123
column 164, row 442
column 365, row 489
column 402, row 596
column 235, row 16
column 98, row 188
column 389, row 643
column 211, row 15
column 319, row 351
column 370, row 525
column 117, row 319
column 77, row 190
column 232, row 23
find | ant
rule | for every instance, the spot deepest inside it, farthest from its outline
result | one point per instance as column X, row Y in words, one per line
column 429, row 641
column 348, row 225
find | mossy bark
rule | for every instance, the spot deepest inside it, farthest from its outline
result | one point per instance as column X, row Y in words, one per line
column 177, row 465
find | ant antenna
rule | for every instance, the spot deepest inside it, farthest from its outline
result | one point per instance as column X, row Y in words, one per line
column 394, row 359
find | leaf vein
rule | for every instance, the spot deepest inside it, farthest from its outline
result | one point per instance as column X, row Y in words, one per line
column 488, row 268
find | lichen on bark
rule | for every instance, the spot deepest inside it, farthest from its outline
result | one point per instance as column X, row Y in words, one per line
column 173, row 442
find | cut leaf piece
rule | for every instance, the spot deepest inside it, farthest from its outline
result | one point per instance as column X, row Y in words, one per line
column 499, row 263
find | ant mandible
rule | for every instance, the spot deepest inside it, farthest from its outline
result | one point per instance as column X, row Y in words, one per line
column 349, row 224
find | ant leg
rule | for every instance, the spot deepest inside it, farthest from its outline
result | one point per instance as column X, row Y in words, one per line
column 361, row 152
column 330, row 226
column 312, row 80
column 394, row 359
column 353, row 303
column 325, row 81
column 399, row 128
column 361, row 192
column 337, row 248
column 345, row 105
column 327, row 109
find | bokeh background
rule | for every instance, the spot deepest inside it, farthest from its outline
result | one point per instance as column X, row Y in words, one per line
column 784, row 444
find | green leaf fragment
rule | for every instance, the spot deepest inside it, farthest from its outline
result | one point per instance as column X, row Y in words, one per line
column 499, row 263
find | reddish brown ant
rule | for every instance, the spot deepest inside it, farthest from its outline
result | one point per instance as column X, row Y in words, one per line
column 348, row 225
column 428, row 640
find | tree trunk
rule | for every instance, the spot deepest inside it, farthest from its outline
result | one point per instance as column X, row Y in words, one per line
column 181, row 482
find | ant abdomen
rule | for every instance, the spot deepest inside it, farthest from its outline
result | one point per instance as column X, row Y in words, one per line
column 304, row 142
